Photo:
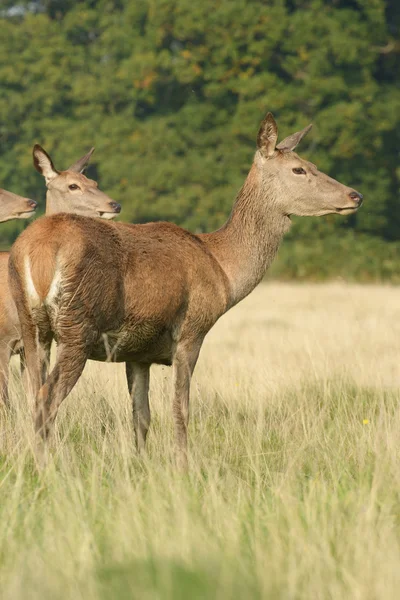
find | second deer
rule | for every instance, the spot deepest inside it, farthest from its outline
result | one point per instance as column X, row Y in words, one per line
column 69, row 192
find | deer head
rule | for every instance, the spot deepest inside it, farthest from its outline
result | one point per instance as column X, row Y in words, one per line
column 70, row 191
column 300, row 189
column 13, row 206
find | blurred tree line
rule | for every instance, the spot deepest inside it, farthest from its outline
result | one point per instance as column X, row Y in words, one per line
column 171, row 93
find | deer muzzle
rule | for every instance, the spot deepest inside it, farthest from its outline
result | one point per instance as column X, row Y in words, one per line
column 115, row 209
column 357, row 197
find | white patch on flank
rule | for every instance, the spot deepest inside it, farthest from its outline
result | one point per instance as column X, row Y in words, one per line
column 30, row 288
column 54, row 286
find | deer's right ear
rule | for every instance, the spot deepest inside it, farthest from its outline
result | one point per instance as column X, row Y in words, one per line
column 267, row 136
column 43, row 163
column 82, row 163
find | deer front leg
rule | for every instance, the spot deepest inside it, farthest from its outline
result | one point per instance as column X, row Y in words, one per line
column 183, row 365
column 138, row 378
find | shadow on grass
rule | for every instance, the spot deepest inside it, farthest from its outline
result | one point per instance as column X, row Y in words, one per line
column 168, row 580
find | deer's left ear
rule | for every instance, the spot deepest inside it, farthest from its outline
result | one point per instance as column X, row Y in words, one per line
column 290, row 143
column 267, row 136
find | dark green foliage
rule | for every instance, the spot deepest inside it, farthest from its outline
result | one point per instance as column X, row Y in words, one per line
column 171, row 94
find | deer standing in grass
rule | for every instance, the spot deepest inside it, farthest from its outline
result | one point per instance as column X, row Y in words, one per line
column 67, row 191
column 144, row 294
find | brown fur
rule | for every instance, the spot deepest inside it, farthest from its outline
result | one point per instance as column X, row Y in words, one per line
column 43, row 264
column 87, row 200
column 12, row 206
column 149, row 293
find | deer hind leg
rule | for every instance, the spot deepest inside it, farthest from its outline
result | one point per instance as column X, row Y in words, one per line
column 35, row 364
column 31, row 359
column 44, row 349
column 183, row 365
column 24, row 372
column 138, row 378
column 69, row 365
column 29, row 328
column 5, row 355
column 22, row 367
column 44, row 356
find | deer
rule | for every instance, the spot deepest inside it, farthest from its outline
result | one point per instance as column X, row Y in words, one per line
column 149, row 293
column 69, row 192
column 13, row 206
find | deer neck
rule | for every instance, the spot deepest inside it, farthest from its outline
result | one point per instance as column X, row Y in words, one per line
column 248, row 242
column 54, row 203
column 57, row 203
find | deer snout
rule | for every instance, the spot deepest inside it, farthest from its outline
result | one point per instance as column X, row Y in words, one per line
column 116, row 207
column 32, row 204
column 357, row 197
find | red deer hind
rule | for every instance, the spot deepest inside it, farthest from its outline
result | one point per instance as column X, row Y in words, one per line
column 67, row 191
column 155, row 290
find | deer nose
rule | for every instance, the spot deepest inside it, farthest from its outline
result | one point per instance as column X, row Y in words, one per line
column 116, row 207
column 354, row 195
column 33, row 204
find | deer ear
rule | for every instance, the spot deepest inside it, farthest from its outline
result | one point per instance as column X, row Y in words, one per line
column 82, row 163
column 267, row 136
column 290, row 143
column 43, row 163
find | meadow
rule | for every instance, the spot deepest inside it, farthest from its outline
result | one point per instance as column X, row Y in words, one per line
column 294, row 483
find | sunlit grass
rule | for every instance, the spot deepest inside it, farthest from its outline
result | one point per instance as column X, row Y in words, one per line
column 294, row 482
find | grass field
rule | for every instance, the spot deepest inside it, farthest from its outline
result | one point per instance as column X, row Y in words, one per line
column 294, row 483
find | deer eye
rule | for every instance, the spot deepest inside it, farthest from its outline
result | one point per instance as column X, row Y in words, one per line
column 299, row 171
column 73, row 186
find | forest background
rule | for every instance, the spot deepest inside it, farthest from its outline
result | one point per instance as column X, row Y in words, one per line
column 171, row 94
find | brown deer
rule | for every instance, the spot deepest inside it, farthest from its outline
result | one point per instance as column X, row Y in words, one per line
column 144, row 294
column 12, row 206
column 67, row 191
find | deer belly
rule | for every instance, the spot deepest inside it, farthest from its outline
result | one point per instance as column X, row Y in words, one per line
column 144, row 343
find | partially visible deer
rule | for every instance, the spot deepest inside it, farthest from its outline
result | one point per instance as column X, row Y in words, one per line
column 13, row 206
column 69, row 192
column 144, row 294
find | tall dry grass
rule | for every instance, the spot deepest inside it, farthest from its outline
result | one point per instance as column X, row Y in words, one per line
column 294, row 484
